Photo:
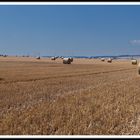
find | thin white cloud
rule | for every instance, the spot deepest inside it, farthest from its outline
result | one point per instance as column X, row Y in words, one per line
column 134, row 42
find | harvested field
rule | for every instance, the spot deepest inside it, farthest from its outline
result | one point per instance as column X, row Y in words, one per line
column 88, row 97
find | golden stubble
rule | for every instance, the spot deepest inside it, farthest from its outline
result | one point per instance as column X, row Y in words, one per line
column 88, row 97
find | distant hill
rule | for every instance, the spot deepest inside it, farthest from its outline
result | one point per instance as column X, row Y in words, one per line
column 105, row 56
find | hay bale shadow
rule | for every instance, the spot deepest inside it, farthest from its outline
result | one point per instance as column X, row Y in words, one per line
column 1, row 79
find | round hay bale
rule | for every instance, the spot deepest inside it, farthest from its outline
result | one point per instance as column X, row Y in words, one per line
column 5, row 55
column 102, row 59
column 134, row 62
column 53, row 58
column 38, row 57
column 109, row 60
column 66, row 61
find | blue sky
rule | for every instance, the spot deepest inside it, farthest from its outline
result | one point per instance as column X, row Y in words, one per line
column 69, row 29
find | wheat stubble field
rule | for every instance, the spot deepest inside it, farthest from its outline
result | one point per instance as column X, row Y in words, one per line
column 88, row 97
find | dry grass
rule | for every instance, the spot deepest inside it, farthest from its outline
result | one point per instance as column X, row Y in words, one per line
column 88, row 97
